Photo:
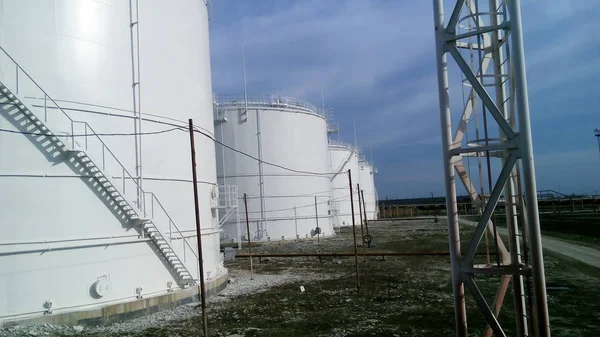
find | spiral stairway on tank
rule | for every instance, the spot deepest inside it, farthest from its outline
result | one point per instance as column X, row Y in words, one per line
column 57, row 150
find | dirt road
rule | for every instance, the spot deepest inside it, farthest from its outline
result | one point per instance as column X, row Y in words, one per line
column 582, row 254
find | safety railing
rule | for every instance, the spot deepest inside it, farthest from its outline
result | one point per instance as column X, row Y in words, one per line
column 157, row 211
column 340, row 143
column 268, row 101
column 71, row 131
column 228, row 196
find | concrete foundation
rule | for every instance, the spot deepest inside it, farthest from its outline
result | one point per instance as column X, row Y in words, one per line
column 126, row 310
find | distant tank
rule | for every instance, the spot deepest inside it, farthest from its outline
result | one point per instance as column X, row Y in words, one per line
column 344, row 156
column 367, row 184
column 280, row 162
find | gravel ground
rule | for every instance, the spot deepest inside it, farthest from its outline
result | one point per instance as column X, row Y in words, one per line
column 400, row 296
column 239, row 284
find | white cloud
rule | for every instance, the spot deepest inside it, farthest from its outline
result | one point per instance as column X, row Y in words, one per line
column 347, row 46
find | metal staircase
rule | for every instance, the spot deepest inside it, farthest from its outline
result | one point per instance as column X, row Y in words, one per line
column 115, row 192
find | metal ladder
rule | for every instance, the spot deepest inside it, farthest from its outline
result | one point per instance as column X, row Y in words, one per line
column 79, row 161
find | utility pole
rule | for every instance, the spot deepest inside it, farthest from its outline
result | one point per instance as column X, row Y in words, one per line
column 198, row 233
column 354, row 233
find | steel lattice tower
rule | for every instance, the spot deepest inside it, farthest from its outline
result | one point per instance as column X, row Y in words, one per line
column 484, row 39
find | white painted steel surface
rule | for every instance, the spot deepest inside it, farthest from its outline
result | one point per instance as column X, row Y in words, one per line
column 292, row 136
column 80, row 54
column 343, row 157
column 367, row 184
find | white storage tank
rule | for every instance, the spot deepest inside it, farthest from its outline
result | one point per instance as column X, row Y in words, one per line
column 281, row 164
column 367, row 185
column 98, row 227
column 344, row 156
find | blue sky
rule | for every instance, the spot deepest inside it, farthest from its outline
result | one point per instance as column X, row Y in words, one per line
column 376, row 62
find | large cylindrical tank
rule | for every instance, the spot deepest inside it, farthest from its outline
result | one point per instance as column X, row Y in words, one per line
column 80, row 54
column 344, row 157
column 279, row 160
column 367, row 185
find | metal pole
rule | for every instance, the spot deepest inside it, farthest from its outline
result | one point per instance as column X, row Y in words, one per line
column 529, row 184
column 354, row 234
column 296, row 223
column 316, row 217
column 597, row 134
column 509, row 194
column 433, row 206
column 198, row 231
column 249, row 240
column 366, row 222
column 460, row 310
column 239, row 229
column 360, row 213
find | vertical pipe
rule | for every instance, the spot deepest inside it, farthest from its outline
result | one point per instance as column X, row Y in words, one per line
column 449, row 180
column 296, row 223
column 139, row 98
column 316, row 217
column 249, row 240
column 239, row 229
column 134, row 41
column 45, row 108
column 509, row 195
column 529, row 184
column 198, row 231
column 354, row 233
column 261, row 182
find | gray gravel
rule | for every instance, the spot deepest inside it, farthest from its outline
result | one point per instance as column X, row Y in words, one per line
column 239, row 284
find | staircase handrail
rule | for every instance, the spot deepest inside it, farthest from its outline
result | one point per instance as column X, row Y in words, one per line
column 171, row 222
column 141, row 192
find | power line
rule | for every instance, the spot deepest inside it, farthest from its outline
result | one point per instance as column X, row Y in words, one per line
column 346, row 197
column 165, row 131
column 262, row 161
column 89, row 134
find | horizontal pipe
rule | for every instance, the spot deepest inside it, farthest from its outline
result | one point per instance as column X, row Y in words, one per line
column 48, row 249
column 346, row 254
column 402, row 219
column 18, row 243
column 45, row 175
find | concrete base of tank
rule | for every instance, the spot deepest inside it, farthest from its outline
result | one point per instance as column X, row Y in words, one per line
column 125, row 310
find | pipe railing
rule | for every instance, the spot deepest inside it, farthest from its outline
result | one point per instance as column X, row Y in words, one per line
column 268, row 101
column 228, row 196
column 172, row 224
column 108, row 160
column 341, row 143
